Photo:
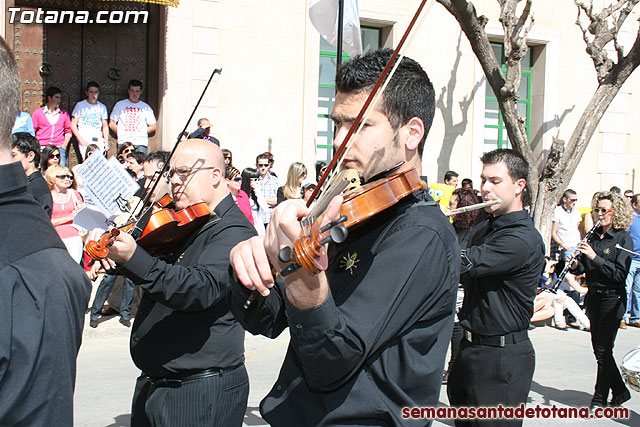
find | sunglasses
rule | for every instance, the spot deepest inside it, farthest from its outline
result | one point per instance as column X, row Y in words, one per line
column 603, row 210
column 237, row 179
column 263, row 165
column 55, row 156
column 573, row 200
column 65, row 176
column 227, row 158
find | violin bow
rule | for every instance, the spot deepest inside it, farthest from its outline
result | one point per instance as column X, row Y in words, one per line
column 372, row 100
column 165, row 167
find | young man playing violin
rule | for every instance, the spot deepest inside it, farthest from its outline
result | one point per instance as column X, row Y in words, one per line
column 369, row 334
column 184, row 338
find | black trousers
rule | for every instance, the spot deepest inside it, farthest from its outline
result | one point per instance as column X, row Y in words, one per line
column 220, row 400
column 456, row 339
column 483, row 375
column 605, row 310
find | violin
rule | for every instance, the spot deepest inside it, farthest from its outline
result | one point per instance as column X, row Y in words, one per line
column 308, row 251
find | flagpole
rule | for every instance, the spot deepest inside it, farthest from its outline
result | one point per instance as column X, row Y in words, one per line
column 340, row 31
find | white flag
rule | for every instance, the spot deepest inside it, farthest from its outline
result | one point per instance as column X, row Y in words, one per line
column 324, row 16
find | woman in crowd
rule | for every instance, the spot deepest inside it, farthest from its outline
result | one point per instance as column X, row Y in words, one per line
column 50, row 156
column 307, row 190
column 249, row 184
column 124, row 149
column 606, row 269
column 67, row 202
column 228, row 157
column 321, row 167
column 239, row 196
column 291, row 190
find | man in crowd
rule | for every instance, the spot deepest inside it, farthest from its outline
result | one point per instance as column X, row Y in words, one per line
column 633, row 278
column 43, row 292
column 369, row 335
column 500, row 270
column 132, row 119
column 26, row 150
column 451, row 178
column 204, row 127
column 152, row 166
column 267, row 185
column 52, row 124
column 89, row 120
column 184, row 339
column 628, row 194
column 134, row 163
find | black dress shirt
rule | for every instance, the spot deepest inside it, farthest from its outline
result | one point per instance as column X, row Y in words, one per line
column 609, row 269
column 40, row 191
column 43, row 297
column 500, row 271
column 183, row 323
column 378, row 342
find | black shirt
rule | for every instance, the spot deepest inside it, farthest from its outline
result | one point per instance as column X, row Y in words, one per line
column 500, row 271
column 183, row 322
column 609, row 269
column 40, row 191
column 43, row 297
column 378, row 342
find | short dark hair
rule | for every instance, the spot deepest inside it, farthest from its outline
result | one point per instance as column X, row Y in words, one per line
column 261, row 156
column 10, row 93
column 137, row 155
column 450, row 174
column 203, row 119
column 635, row 199
column 615, row 189
column 628, row 191
column 52, row 91
column 92, row 84
column 409, row 93
column 90, row 149
column 134, row 82
column 156, row 156
column 466, row 181
column 25, row 142
column 517, row 166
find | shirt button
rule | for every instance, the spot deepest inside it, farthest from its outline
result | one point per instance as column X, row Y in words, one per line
column 279, row 388
column 299, row 326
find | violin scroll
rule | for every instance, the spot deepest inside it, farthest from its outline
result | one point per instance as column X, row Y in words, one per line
column 98, row 250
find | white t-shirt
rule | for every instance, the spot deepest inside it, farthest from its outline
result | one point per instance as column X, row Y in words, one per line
column 568, row 225
column 90, row 118
column 132, row 120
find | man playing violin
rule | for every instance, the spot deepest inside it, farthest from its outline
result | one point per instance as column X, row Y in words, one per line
column 369, row 334
column 184, row 338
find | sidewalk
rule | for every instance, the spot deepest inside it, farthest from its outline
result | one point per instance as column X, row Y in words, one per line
column 565, row 375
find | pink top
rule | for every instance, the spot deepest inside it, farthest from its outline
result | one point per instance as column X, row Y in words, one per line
column 242, row 200
column 60, row 210
column 48, row 134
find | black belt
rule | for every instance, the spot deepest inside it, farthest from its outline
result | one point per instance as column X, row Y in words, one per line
column 177, row 380
column 496, row 340
column 608, row 291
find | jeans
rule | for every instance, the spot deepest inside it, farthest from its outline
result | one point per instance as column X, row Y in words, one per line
column 633, row 291
column 63, row 156
column 128, row 290
column 605, row 310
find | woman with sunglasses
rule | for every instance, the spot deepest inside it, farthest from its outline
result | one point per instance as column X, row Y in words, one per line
column 606, row 267
column 240, row 197
column 67, row 202
column 50, row 156
column 124, row 149
column 228, row 157
column 249, row 184
column 295, row 177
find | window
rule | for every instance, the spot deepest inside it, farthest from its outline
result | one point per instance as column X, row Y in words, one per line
column 495, row 133
column 371, row 40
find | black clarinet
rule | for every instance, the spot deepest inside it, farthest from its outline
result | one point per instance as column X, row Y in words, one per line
column 571, row 258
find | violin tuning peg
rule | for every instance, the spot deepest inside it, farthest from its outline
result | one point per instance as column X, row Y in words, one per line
column 339, row 233
column 290, row 269
column 285, row 254
column 332, row 224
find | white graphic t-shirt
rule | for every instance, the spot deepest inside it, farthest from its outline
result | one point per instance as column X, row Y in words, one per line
column 90, row 118
column 132, row 120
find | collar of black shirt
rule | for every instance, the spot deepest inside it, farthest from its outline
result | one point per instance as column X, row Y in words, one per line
column 508, row 218
column 12, row 179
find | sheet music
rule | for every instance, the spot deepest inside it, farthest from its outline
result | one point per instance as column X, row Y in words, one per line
column 105, row 181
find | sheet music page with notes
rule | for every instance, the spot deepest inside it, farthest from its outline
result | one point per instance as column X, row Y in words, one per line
column 106, row 181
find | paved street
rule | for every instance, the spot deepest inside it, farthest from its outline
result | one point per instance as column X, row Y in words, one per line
column 565, row 375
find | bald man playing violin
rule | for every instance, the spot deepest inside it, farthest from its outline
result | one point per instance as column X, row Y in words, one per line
column 369, row 334
column 184, row 338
